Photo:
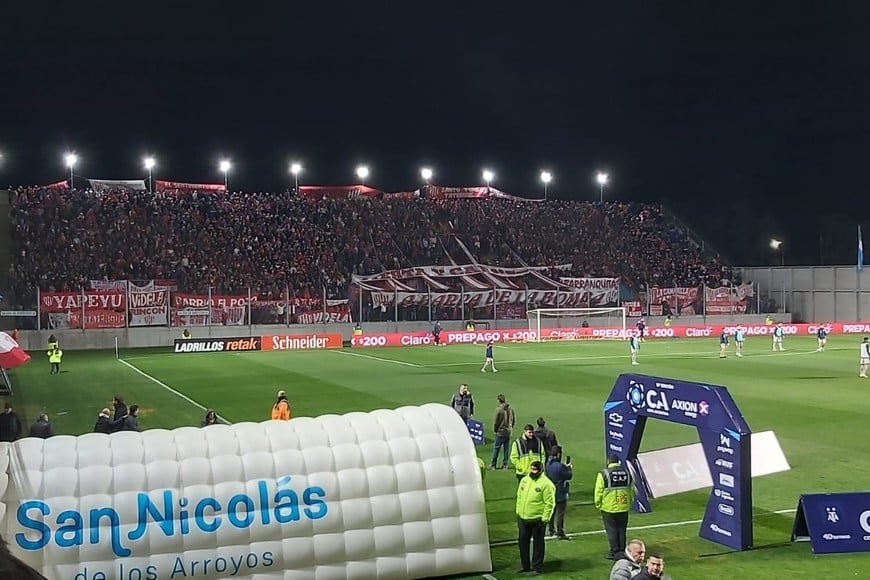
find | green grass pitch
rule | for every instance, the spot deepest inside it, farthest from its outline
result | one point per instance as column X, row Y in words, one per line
column 814, row 401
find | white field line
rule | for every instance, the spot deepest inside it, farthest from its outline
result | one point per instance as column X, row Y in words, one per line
column 171, row 390
column 641, row 357
column 648, row 527
column 377, row 358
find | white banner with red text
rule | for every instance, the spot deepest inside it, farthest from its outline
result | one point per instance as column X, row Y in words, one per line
column 149, row 303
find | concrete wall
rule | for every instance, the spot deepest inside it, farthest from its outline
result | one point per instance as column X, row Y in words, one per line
column 35, row 340
column 816, row 293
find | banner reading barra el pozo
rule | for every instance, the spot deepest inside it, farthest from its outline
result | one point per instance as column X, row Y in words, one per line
column 724, row 435
column 387, row 494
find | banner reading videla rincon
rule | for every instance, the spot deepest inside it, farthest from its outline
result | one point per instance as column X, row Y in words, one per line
column 386, row 494
column 149, row 303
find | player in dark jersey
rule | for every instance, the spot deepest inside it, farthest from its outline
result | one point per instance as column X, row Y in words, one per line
column 488, row 361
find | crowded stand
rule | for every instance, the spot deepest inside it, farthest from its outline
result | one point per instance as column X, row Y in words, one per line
column 273, row 241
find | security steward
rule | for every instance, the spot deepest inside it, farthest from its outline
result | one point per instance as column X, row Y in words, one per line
column 536, row 500
column 185, row 334
column 55, row 356
column 614, row 494
column 525, row 450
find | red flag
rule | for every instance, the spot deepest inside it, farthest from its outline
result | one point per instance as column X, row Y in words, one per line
column 11, row 355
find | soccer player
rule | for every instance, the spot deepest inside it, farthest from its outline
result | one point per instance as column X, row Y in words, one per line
column 738, row 341
column 777, row 337
column 634, row 347
column 864, row 354
column 641, row 328
column 822, row 336
column 436, row 332
column 723, row 343
column 489, row 360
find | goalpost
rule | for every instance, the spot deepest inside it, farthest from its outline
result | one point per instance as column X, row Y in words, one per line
column 576, row 323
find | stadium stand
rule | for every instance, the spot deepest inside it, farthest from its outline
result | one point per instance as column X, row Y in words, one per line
column 63, row 238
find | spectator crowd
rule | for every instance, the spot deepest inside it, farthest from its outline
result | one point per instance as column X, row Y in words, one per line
column 231, row 241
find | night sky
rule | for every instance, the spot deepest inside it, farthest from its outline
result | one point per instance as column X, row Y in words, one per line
column 749, row 121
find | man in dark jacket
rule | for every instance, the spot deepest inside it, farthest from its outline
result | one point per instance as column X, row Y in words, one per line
column 120, row 408
column 560, row 474
column 502, row 426
column 548, row 436
column 129, row 422
column 463, row 403
column 10, row 424
column 42, row 428
column 655, row 569
column 104, row 422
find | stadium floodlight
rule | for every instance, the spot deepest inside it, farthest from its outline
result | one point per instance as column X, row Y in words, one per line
column 362, row 172
column 488, row 176
column 426, row 173
column 71, row 159
column 225, row 167
column 601, row 178
column 776, row 246
column 149, row 163
column 546, row 178
column 296, row 169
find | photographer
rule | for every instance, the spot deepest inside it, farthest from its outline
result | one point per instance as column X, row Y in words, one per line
column 560, row 474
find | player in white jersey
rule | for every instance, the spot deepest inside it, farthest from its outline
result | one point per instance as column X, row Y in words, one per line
column 864, row 357
column 777, row 337
column 634, row 347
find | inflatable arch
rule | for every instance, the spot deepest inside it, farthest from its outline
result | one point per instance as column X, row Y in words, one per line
column 387, row 494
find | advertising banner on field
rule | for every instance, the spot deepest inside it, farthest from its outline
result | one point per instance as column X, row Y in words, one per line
column 834, row 522
column 100, row 308
column 725, row 437
column 301, row 341
column 221, row 344
column 387, row 494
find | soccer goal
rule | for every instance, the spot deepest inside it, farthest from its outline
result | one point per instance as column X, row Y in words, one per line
column 576, row 323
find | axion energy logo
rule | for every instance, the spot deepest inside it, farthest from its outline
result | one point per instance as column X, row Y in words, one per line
column 233, row 344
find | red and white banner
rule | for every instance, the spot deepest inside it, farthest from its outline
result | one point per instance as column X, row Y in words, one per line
column 193, row 309
column 102, row 308
column 338, row 191
column 334, row 313
column 301, row 341
column 107, row 285
column 681, row 300
column 450, row 272
column 11, row 354
column 103, row 185
column 149, row 303
column 181, row 186
column 602, row 291
column 728, row 299
column 58, row 185
column 633, row 308
column 712, row 331
column 482, row 299
column 472, row 193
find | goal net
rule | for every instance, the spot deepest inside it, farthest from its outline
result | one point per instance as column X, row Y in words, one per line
column 576, row 323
